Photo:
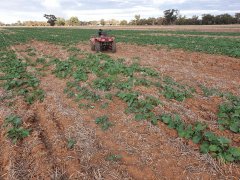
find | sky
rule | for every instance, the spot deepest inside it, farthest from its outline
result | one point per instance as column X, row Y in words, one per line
column 23, row 10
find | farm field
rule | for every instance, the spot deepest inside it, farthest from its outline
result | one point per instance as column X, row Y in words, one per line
column 166, row 105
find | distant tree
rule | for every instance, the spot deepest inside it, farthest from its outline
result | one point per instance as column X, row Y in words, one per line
column 73, row 21
column 94, row 23
column 113, row 22
column 123, row 23
column 195, row 20
column 171, row 15
column 160, row 21
column 102, row 22
column 207, row 19
column 151, row 21
column 182, row 20
column 137, row 19
column 237, row 16
column 1, row 24
column 60, row 21
column 51, row 19
column 34, row 23
column 224, row 19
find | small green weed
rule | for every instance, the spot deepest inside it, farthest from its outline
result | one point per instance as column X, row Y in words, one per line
column 104, row 122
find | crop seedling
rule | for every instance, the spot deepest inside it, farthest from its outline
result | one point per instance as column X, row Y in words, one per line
column 114, row 157
column 15, row 132
column 209, row 142
column 104, row 122
column 229, row 115
column 71, row 143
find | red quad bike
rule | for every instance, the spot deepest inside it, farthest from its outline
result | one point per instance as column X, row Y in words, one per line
column 103, row 43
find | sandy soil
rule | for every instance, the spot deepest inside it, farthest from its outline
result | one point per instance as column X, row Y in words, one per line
column 148, row 152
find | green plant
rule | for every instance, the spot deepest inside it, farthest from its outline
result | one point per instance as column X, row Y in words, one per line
column 14, row 120
column 209, row 91
column 15, row 132
column 114, row 157
column 229, row 115
column 209, row 142
column 104, row 105
column 104, row 122
column 71, row 143
column 104, row 84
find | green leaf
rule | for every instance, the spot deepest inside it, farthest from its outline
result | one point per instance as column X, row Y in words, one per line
column 204, row 148
column 234, row 127
column 213, row 148
column 235, row 151
column 166, row 119
column 154, row 120
column 139, row 117
column 196, row 139
column 224, row 141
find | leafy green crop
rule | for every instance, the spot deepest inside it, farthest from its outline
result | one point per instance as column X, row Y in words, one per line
column 229, row 115
column 104, row 122
column 174, row 90
column 211, row 45
column 209, row 142
column 114, row 157
column 15, row 132
column 17, row 79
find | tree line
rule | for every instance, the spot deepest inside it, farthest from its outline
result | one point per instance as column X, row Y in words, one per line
column 171, row 17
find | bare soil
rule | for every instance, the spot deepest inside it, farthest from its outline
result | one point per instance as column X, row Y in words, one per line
column 148, row 152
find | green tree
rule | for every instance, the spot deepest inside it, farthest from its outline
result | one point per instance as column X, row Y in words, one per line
column 60, row 21
column 74, row 21
column 171, row 15
column 51, row 19
column 237, row 16
column 137, row 19
column 224, row 19
column 207, row 19
column 123, row 23
column 102, row 22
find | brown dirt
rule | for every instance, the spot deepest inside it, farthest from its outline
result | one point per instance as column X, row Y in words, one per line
column 148, row 152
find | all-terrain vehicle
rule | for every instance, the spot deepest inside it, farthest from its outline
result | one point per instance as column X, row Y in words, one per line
column 103, row 42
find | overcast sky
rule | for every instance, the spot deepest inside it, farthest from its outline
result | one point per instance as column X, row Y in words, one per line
column 14, row 10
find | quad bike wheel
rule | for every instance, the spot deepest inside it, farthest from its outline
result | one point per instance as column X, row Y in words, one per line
column 97, row 47
column 92, row 46
column 114, row 47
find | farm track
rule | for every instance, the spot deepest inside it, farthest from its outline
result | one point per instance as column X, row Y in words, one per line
column 148, row 151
